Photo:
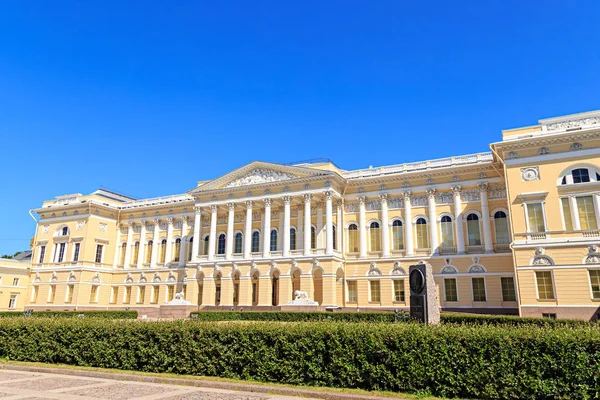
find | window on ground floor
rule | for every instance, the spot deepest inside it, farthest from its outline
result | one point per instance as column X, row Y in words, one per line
column 595, row 282
column 352, row 291
column 450, row 291
column 544, row 285
column 508, row 289
column 399, row 294
column 375, row 290
column 478, row 289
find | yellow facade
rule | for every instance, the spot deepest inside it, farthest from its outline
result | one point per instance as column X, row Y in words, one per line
column 488, row 223
column 14, row 281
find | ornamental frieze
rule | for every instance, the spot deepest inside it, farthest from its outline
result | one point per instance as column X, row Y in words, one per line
column 259, row 176
column 470, row 196
column 577, row 123
column 444, row 198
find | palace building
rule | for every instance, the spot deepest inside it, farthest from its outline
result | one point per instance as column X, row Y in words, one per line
column 512, row 231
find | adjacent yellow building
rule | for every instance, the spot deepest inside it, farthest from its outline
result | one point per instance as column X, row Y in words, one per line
column 513, row 230
column 14, row 281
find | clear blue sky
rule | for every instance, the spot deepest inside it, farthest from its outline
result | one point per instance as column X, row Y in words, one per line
column 148, row 97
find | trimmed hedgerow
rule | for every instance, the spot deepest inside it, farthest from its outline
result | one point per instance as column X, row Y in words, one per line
column 470, row 361
column 102, row 314
column 446, row 318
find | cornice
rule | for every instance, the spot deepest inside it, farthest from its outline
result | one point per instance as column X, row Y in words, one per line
column 547, row 139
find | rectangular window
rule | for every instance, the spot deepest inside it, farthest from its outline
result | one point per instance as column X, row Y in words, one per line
column 16, row 282
column 99, row 249
column 254, row 293
column 508, row 289
column 127, row 297
column 375, row 291
column 34, row 293
column 69, row 296
column 352, row 291
column 399, row 290
column 141, row 294
column 61, row 252
column 549, row 315
column 566, row 209
column 478, row 289
column 76, row 252
column 114, row 293
column 94, row 294
column 353, row 240
column 581, row 175
column 42, row 254
column 184, row 291
column 587, row 213
column 51, row 293
column 12, row 303
column 450, row 289
column 170, row 291
column 236, row 290
column 595, row 281
column 535, row 213
column 544, row 285
column 155, row 293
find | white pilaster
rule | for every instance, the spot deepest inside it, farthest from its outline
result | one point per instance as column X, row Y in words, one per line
column 169, row 248
column 267, row 229
column 340, row 228
column 155, row 243
column 127, row 261
column 142, row 248
column 117, row 247
column 574, row 213
column 458, row 215
column 182, row 253
column 286, row 225
column 485, row 215
column 307, row 218
column 230, row 239
column 213, row 232
column 300, row 229
column 248, row 230
column 363, row 226
column 328, row 222
column 410, row 244
column 319, row 238
column 197, row 226
column 433, row 228
column 385, row 226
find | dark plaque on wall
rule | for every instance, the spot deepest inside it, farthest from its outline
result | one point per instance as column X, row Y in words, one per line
column 423, row 301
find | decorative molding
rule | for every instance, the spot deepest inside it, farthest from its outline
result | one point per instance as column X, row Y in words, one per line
column 259, row 176
column 576, row 146
column 102, row 227
column 395, row 202
column 444, row 198
column 449, row 269
column 429, row 181
column 373, row 205
column 419, row 201
column 530, row 174
column 512, row 155
column 543, row 151
column 497, row 192
column 430, row 193
column 454, row 179
column 572, row 124
column 405, row 184
column 476, row 269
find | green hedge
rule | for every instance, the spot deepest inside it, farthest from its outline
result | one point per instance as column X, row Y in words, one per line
column 525, row 362
column 105, row 314
column 447, row 318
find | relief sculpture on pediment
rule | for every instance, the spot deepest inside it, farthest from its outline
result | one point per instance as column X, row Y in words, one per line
column 259, row 176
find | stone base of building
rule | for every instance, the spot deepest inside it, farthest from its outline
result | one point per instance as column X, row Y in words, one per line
column 492, row 311
column 564, row 312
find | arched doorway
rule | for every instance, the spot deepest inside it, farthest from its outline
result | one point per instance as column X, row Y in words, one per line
column 275, row 288
column 318, row 285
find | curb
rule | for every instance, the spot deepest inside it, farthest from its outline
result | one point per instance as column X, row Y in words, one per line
column 244, row 387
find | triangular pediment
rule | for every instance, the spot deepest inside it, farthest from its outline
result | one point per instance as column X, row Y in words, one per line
column 260, row 173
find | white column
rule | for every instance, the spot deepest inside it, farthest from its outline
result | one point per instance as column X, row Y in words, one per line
column 460, row 234
column 328, row 222
column 385, row 226
column 286, row 225
column 319, row 238
column 127, row 261
column 307, row 218
column 142, row 248
column 184, row 228
column 363, row 227
column 230, row 239
column 340, row 227
column 155, row 244
column 213, row 232
column 280, row 236
column 433, row 228
column 300, row 230
column 485, row 215
column 267, row 230
column 196, row 237
column 169, row 249
column 117, row 247
column 248, row 230
column 574, row 213
column 408, row 225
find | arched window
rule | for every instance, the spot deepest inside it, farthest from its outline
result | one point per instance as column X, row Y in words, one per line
column 334, row 233
column 190, row 248
column 353, row 238
column 501, row 227
column 273, row 240
column 65, row 231
column 580, row 175
column 163, row 250
column 221, row 244
column 136, row 252
column 313, row 237
column 255, row 241
column 375, row 236
column 123, row 252
column 149, row 251
column 473, row 230
column 397, row 235
column 177, row 250
column 292, row 239
column 206, row 242
column 238, row 243
column 447, row 232
column 422, row 236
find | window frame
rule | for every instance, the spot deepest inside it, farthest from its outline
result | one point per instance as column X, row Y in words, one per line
column 403, row 286
column 537, row 290
column 355, row 291
column 590, row 270
column 371, row 283
column 514, row 286
column 542, row 203
column 446, row 279
column 484, row 289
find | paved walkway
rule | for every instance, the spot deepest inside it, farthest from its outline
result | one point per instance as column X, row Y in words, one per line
column 35, row 385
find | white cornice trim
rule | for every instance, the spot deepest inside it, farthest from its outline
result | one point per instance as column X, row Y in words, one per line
column 553, row 157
